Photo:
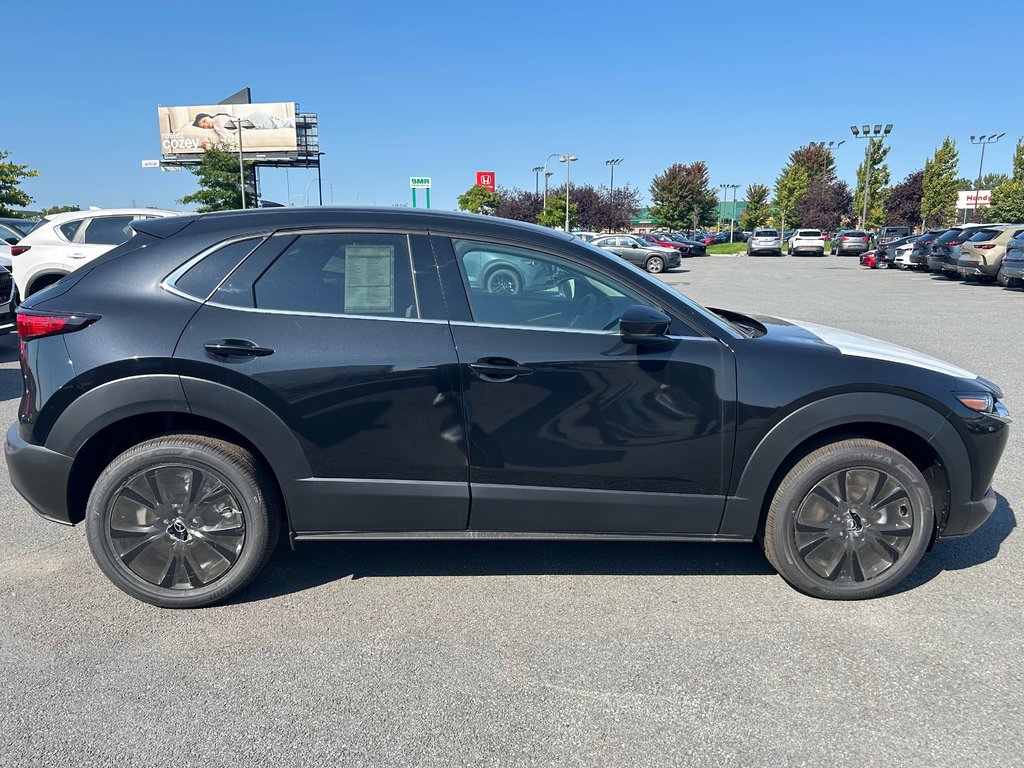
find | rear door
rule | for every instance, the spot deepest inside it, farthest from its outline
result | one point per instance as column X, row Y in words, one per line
column 343, row 335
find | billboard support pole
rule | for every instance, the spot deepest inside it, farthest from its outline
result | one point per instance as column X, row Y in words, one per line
column 241, row 165
column 428, row 197
column 414, row 197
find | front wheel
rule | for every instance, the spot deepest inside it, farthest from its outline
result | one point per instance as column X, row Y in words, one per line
column 655, row 265
column 182, row 521
column 849, row 521
column 504, row 280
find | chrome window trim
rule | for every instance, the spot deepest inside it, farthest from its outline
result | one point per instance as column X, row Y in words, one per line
column 293, row 313
column 168, row 283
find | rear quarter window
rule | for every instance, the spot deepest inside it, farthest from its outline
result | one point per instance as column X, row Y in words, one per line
column 200, row 280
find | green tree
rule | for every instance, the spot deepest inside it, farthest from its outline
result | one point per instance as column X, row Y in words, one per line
column 682, row 196
column 11, row 194
column 874, row 158
column 478, row 199
column 790, row 188
column 1018, row 160
column 758, row 211
column 49, row 211
column 993, row 180
column 816, row 160
column 219, row 188
column 553, row 214
column 939, row 186
column 1007, row 203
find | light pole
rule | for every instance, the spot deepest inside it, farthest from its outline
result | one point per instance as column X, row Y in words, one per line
column 567, row 159
column 536, row 178
column 732, row 220
column 544, row 202
column 319, row 183
column 721, row 208
column 983, row 140
column 611, row 165
column 870, row 135
column 241, row 165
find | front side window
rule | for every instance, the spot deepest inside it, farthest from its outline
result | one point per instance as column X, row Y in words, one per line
column 341, row 274
column 109, row 230
column 508, row 285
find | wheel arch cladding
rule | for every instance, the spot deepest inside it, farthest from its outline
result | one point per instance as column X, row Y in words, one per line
column 867, row 414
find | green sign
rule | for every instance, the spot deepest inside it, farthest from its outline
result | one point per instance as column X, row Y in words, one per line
column 419, row 182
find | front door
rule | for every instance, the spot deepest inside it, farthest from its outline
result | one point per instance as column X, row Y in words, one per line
column 569, row 428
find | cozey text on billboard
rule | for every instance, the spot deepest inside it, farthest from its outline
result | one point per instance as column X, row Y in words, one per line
column 264, row 128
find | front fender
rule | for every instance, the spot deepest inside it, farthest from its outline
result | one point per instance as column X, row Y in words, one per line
column 743, row 509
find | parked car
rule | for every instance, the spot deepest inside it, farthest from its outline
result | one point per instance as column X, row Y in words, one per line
column 586, row 236
column 21, row 226
column 10, row 235
column 63, row 242
column 806, row 241
column 850, row 242
column 764, row 241
column 660, row 239
column 887, row 234
column 867, row 259
column 494, row 273
column 921, row 248
column 332, row 374
column 653, row 258
column 889, row 251
column 945, row 249
column 1013, row 263
column 982, row 255
column 688, row 246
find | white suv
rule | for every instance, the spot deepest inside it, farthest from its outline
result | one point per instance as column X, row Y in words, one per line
column 65, row 241
column 806, row 241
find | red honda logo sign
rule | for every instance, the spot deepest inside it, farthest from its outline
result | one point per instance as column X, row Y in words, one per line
column 485, row 179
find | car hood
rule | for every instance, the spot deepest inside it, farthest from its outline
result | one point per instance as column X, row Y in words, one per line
column 856, row 345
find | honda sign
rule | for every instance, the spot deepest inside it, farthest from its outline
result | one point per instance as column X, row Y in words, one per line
column 485, row 179
column 972, row 199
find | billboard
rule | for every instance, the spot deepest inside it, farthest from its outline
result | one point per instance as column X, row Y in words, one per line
column 972, row 199
column 267, row 128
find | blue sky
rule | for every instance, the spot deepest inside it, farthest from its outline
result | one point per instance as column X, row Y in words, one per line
column 446, row 89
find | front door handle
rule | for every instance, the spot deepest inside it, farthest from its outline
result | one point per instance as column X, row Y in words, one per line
column 498, row 369
column 236, row 348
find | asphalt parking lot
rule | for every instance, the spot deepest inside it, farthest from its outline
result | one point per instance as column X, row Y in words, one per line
column 534, row 653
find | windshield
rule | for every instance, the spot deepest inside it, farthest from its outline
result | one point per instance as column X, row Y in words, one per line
column 945, row 237
column 23, row 226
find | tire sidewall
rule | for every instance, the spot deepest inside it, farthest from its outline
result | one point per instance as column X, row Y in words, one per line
column 139, row 458
column 512, row 274
column 799, row 573
column 655, row 260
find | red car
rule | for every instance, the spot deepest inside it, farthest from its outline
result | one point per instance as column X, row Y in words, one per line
column 657, row 238
column 875, row 260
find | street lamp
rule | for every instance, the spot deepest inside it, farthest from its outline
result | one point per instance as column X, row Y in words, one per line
column 983, row 140
column 732, row 220
column 546, row 176
column 536, row 178
column 721, row 206
column 866, row 132
column 567, row 159
column 611, row 165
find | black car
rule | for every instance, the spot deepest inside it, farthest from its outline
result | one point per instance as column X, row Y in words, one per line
column 687, row 245
column 886, row 252
column 918, row 255
column 335, row 374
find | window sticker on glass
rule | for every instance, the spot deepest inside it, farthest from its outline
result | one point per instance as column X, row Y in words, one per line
column 369, row 278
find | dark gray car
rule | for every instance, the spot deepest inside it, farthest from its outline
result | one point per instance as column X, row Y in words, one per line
column 653, row 258
column 850, row 242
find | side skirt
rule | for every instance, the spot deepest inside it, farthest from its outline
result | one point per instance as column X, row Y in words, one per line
column 508, row 535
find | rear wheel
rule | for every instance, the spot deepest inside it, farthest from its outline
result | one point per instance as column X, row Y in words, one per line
column 849, row 521
column 504, row 280
column 182, row 521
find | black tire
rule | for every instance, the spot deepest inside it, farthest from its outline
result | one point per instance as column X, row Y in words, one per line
column 504, row 280
column 655, row 265
column 236, row 520
column 951, row 275
column 853, row 541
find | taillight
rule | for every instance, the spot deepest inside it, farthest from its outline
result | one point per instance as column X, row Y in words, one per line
column 17, row 250
column 844, row 239
column 985, row 247
column 954, row 242
column 36, row 325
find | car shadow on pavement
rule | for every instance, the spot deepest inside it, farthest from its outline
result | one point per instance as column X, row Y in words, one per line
column 957, row 554
column 315, row 564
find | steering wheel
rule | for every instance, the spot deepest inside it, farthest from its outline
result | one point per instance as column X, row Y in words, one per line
column 588, row 305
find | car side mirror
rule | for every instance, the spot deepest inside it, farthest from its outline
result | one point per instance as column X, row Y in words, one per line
column 644, row 325
column 11, row 240
column 635, row 245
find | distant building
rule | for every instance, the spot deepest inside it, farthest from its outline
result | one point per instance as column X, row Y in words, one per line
column 643, row 222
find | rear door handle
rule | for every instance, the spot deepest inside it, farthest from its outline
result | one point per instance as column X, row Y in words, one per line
column 77, row 255
column 498, row 369
column 236, row 348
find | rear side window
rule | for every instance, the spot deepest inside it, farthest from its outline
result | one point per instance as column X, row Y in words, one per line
column 200, row 280
column 70, row 228
column 985, row 234
column 341, row 274
column 109, row 230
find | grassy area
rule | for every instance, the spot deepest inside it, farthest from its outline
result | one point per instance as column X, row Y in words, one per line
column 727, row 248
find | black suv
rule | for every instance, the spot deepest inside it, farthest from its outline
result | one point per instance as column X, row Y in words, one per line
column 338, row 374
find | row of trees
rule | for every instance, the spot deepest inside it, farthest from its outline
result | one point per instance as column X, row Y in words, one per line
column 590, row 208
